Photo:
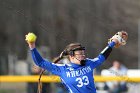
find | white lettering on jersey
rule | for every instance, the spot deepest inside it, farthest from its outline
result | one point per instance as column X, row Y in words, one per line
column 78, row 72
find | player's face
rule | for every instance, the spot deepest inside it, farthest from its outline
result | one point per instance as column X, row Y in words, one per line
column 80, row 54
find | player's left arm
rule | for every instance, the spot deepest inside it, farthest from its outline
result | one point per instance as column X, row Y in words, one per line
column 116, row 41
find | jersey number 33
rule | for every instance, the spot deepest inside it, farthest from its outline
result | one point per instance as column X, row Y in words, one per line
column 82, row 81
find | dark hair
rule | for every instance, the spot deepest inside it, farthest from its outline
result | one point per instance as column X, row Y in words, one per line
column 69, row 50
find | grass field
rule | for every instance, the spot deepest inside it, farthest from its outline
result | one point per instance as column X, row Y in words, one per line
column 12, row 87
column 21, row 88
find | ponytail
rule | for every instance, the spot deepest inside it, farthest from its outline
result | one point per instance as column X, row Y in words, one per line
column 60, row 57
column 56, row 60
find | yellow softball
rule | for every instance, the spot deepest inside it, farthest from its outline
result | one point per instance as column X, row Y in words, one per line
column 30, row 37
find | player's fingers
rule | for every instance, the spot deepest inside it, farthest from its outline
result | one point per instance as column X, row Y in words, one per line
column 26, row 37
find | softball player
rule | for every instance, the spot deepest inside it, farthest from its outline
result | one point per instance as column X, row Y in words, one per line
column 78, row 75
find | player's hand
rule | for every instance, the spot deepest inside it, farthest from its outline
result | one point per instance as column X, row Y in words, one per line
column 119, row 38
column 31, row 39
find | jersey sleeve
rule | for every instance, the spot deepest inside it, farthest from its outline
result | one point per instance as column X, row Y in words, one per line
column 97, row 61
column 102, row 56
column 45, row 64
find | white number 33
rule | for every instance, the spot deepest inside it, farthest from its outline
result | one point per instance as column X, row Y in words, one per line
column 82, row 81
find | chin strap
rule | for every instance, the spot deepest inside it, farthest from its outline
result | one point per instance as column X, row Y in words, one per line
column 82, row 62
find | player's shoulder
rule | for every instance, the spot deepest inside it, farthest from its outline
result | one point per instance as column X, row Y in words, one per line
column 92, row 60
column 68, row 65
column 59, row 64
column 88, row 61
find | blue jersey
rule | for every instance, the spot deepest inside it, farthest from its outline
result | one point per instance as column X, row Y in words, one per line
column 77, row 78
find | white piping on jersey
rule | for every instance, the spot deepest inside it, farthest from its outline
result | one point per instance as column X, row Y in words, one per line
column 67, row 86
column 94, row 60
column 59, row 64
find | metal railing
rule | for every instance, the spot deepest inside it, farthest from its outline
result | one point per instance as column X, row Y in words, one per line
column 53, row 78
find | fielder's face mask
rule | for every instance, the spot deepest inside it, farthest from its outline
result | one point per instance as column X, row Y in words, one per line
column 72, row 53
